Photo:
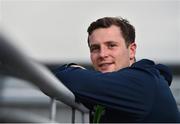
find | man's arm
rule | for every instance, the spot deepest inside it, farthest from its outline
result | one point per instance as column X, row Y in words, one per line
column 124, row 90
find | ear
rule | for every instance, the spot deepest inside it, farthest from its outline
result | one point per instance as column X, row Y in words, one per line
column 132, row 50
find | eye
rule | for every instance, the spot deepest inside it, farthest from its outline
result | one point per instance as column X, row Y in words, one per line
column 111, row 45
column 94, row 48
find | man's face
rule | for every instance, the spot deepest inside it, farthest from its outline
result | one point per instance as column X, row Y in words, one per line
column 108, row 50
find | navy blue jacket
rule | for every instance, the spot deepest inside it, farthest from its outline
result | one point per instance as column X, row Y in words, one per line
column 139, row 93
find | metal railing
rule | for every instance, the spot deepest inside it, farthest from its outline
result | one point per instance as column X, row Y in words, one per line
column 15, row 63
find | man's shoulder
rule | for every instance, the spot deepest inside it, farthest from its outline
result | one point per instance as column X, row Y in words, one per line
column 143, row 62
column 157, row 69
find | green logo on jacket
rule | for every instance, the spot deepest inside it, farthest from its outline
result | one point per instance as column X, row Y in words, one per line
column 99, row 111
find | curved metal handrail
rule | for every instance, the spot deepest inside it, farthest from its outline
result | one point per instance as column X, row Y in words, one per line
column 18, row 64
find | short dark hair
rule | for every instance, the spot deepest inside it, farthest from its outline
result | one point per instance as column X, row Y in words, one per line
column 127, row 30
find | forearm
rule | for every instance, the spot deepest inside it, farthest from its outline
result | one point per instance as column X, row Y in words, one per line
column 114, row 90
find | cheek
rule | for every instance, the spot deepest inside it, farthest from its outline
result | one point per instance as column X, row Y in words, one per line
column 119, row 54
column 122, row 55
column 93, row 58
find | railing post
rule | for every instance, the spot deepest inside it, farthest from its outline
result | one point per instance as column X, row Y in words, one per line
column 73, row 115
column 53, row 109
column 83, row 120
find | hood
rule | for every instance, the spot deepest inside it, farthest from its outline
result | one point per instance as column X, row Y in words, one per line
column 164, row 70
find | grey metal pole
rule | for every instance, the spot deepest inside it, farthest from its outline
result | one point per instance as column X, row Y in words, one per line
column 73, row 115
column 53, row 109
column 83, row 117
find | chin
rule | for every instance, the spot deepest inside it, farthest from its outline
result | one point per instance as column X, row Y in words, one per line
column 105, row 70
column 108, row 70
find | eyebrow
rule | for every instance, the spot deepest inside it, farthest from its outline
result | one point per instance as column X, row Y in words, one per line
column 110, row 42
column 107, row 42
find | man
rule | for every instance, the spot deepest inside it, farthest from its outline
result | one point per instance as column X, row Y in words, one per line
column 123, row 89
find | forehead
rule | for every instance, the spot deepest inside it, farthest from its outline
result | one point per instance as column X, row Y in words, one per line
column 112, row 33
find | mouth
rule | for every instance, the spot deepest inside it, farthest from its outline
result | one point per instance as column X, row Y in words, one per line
column 105, row 65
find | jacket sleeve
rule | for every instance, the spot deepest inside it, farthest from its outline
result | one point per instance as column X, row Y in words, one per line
column 128, row 89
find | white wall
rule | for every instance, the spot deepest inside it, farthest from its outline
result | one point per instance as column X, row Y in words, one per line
column 55, row 30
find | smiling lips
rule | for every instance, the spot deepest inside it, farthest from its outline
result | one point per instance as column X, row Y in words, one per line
column 105, row 65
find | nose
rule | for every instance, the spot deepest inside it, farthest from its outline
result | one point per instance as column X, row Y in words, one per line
column 103, row 52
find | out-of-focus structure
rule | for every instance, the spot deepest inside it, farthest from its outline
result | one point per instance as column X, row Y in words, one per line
column 17, row 67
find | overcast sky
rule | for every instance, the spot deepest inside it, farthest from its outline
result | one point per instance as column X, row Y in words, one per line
column 55, row 30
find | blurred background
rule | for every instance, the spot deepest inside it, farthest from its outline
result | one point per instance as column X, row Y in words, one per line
column 54, row 32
